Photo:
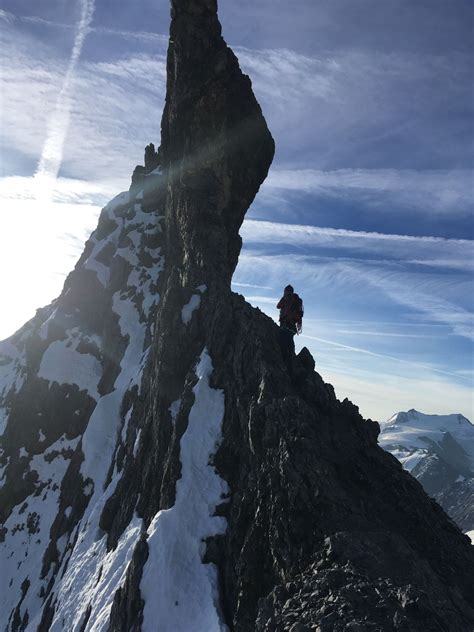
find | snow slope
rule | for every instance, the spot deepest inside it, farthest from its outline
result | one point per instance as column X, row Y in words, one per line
column 51, row 545
column 181, row 593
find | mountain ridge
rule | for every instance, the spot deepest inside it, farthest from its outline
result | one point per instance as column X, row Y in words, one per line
column 181, row 412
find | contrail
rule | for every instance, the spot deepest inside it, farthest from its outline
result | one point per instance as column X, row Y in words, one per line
column 52, row 154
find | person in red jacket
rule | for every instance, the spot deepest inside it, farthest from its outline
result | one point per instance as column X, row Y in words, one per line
column 291, row 316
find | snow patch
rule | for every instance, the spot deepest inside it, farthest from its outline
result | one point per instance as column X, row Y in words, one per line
column 412, row 432
column 3, row 420
column 156, row 172
column 125, row 425
column 149, row 302
column 137, row 442
column 119, row 200
column 174, row 410
column 65, row 365
column 180, row 592
column 89, row 584
column 189, row 308
column 409, row 460
column 43, row 331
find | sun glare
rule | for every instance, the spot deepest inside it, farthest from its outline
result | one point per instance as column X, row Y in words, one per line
column 40, row 240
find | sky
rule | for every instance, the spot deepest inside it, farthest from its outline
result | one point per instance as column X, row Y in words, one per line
column 368, row 207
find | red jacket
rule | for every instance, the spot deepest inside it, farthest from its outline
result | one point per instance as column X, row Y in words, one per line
column 291, row 309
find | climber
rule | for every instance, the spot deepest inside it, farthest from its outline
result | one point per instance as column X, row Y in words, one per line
column 291, row 315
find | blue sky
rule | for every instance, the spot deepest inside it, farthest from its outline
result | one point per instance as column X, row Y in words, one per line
column 367, row 210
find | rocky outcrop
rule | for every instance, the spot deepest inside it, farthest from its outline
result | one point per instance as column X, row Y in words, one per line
column 165, row 468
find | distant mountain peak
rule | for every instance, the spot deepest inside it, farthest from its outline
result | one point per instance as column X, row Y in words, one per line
column 428, row 418
column 439, row 451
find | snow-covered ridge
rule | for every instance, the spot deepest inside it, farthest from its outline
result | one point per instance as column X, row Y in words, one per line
column 411, row 435
column 62, row 356
column 180, row 593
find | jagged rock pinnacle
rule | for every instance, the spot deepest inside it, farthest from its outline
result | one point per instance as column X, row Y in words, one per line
column 216, row 146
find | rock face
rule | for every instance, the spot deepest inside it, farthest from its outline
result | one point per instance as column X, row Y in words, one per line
column 163, row 468
column 438, row 450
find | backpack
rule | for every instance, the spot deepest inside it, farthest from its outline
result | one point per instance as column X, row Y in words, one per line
column 298, row 309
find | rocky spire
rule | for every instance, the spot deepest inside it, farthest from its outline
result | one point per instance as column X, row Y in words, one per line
column 216, row 146
column 163, row 468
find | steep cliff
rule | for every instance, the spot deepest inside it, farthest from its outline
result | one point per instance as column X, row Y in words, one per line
column 163, row 468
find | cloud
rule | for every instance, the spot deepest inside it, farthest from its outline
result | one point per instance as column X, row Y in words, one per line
column 424, row 391
column 415, row 365
column 303, row 76
column 6, row 16
column 427, row 296
column 269, row 300
column 428, row 250
column 384, row 334
column 337, row 322
column 360, row 108
column 52, row 153
column 29, row 85
column 437, row 191
column 114, row 109
column 437, row 298
column 143, row 36
column 66, row 191
column 135, row 69
column 259, row 287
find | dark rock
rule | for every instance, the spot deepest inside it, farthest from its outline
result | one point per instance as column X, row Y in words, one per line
column 306, row 359
column 138, row 177
column 152, row 158
column 143, row 177
column 457, row 500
